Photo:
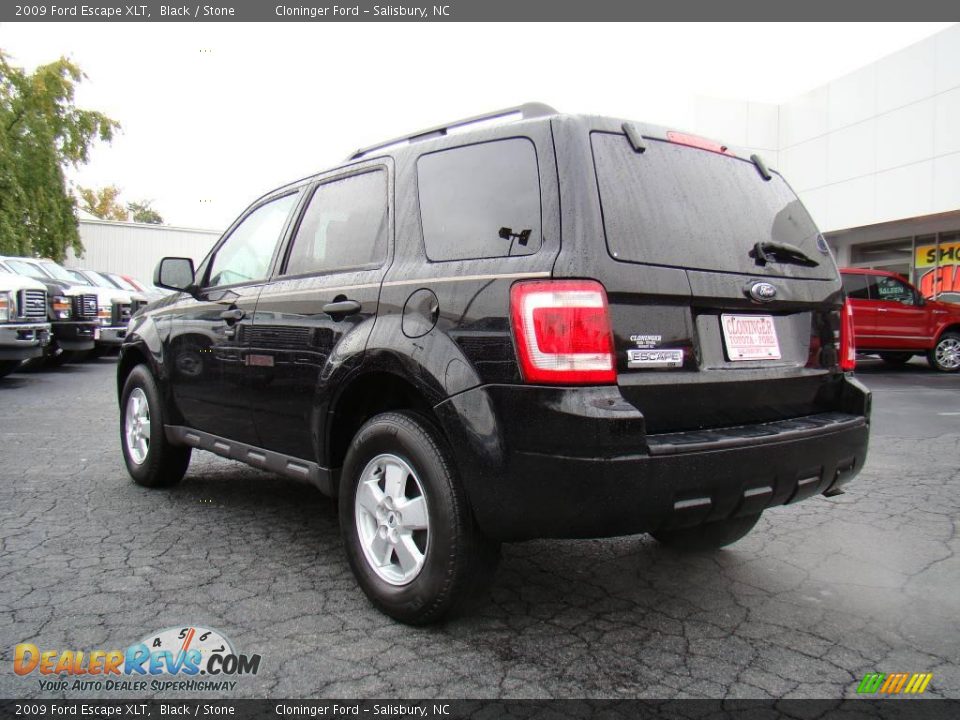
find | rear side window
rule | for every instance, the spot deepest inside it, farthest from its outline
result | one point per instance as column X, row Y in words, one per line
column 855, row 286
column 480, row 201
column 684, row 207
column 344, row 227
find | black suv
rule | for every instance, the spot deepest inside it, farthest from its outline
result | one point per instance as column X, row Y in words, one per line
column 521, row 325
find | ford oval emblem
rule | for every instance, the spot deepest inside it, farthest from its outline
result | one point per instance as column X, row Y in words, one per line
column 763, row 292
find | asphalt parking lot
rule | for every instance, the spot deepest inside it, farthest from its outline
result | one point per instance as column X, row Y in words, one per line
column 819, row 594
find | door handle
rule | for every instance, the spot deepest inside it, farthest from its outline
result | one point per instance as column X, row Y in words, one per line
column 232, row 315
column 341, row 308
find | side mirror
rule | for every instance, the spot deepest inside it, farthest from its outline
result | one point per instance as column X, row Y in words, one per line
column 175, row 273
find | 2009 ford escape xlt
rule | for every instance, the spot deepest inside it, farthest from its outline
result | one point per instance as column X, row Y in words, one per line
column 521, row 325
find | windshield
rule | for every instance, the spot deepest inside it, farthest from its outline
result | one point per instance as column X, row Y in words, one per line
column 28, row 269
column 101, row 280
column 56, row 271
column 121, row 283
column 79, row 277
column 684, row 207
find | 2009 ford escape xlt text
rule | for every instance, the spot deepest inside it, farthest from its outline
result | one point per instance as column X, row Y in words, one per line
column 522, row 325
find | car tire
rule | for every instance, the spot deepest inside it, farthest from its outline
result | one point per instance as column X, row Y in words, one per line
column 150, row 458
column 399, row 494
column 945, row 355
column 709, row 536
column 8, row 366
column 896, row 358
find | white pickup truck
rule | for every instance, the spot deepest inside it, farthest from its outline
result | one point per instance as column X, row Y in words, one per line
column 24, row 330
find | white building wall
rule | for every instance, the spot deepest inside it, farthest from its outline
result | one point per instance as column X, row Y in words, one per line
column 135, row 248
column 879, row 144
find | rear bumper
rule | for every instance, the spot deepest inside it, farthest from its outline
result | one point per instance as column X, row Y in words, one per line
column 23, row 341
column 562, row 462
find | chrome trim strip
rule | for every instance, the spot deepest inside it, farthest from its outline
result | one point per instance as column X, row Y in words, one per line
column 312, row 289
column 898, row 337
column 397, row 283
column 467, row 278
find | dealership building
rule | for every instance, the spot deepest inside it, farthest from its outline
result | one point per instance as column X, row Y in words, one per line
column 875, row 157
column 134, row 249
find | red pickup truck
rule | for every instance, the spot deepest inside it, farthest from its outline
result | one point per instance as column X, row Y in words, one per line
column 892, row 319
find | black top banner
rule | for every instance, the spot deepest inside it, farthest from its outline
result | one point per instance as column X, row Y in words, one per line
column 477, row 10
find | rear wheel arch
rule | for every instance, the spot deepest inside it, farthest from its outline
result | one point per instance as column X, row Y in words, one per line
column 365, row 396
column 944, row 357
column 952, row 328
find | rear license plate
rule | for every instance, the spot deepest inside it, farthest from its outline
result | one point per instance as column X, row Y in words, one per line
column 750, row 337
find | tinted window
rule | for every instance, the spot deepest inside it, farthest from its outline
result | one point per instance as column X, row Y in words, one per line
column 480, row 201
column 683, row 207
column 894, row 290
column 855, row 286
column 344, row 226
column 245, row 255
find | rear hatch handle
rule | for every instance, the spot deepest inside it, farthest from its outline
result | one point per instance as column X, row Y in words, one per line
column 767, row 251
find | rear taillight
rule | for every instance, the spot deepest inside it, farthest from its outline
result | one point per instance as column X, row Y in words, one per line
column 562, row 332
column 848, row 346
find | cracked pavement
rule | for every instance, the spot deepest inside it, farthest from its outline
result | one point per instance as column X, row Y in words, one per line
column 817, row 595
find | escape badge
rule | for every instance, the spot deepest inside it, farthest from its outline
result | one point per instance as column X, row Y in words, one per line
column 647, row 354
column 654, row 358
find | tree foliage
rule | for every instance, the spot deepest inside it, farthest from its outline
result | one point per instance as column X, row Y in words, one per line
column 103, row 203
column 143, row 212
column 42, row 132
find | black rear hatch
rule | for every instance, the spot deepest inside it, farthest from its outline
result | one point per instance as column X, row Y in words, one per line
column 724, row 297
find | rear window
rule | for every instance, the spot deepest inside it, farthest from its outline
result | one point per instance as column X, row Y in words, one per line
column 855, row 286
column 683, row 207
column 480, row 201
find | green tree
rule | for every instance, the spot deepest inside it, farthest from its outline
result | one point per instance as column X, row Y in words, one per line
column 143, row 212
column 103, row 203
column 42, row 132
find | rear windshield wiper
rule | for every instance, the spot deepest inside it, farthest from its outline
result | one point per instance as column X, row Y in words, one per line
column 777, row 252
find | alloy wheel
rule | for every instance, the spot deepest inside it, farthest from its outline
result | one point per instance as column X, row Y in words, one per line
column 390, row 509
column 136, row 426
column 948, row 353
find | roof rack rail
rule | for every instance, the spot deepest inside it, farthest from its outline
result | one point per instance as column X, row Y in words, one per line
column 525, row 111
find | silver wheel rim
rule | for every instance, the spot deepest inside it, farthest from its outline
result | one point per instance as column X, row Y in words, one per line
column 393, row 525
column 136, row 426
column 948, row 353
